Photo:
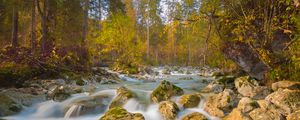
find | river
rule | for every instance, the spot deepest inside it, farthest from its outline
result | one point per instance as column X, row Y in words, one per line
column 75, row 107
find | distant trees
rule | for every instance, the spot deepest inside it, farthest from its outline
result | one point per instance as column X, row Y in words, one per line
column 130, row 33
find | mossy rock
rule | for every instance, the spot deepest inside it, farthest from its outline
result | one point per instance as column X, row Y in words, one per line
column 8, row 106
column 190, row 100
column 80, row 82
column 168, row 110
column 118, row 113
column 194, row 116
column 165, row 91
column 123, row 95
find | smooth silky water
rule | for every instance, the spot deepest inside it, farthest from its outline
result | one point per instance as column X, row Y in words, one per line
column 71, row 109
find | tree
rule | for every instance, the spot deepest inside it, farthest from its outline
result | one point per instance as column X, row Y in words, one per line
column 14, row 41
column 33, row 26
column 44, row 14
column 85, row 21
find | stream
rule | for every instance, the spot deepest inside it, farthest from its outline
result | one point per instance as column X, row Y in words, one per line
column 91, row 106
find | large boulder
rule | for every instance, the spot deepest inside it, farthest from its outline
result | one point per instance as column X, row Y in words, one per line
column 190, row 100
column 248, row 87
column 266, row 111
column 8, row 106
column 14, row 100
column 294, row 116
column 195, row 116
column 168, row 110
column 118, row 113
column 123, row 95
column 246, row 58
column 222, row 103
column 165, row 91
column 286, row 84
column 287, row 100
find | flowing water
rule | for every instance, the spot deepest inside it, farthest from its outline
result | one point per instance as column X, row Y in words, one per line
column 91, row 106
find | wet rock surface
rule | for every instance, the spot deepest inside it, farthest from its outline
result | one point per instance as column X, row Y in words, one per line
column 194, row 116
column 165, row 91
column 168, row 110
column 222, row 103
column 118, row 113
column 123, row 95
column 190, row 100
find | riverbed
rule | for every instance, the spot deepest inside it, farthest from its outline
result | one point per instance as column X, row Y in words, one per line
column 187, row 79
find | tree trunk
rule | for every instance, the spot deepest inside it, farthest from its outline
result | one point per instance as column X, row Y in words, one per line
column 14, row 39
column 148, row 31
column 100, row 14
column 85, row 21
column 43, row 15
column 206, row 41
column 33, row 35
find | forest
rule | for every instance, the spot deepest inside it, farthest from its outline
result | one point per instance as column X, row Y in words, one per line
column 82, row 40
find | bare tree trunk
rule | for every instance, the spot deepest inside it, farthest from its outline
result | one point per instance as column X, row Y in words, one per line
column 148, row 31
column 43, row 15
column 85, row 21
column 100, row 14
column 33, row 35
column 14, row 39
column 206, row 41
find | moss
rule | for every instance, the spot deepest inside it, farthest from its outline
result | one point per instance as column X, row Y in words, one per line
column 254, row 104
column 226, row 80
column 80, row 82
column 118, row 113
column 228, row 99
column 165, row 91
column 114, row 113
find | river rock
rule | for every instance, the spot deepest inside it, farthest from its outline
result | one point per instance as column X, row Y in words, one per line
column 165, row 91
column 118, row 113
column 247, row 104
column 248, row 87
column 236, row 114
column 241, row 112
column 214, row 86
column 123, row 95
column 190, row 100
column 59, row 93
column 222, row 103
column 262, row 114
column 286, row 99
column 8, row 106
column 194, row 116
column 286, row 84
column 294, row 116
column 48, row 84
column 166, row 71
column 89, row 105
column 168, row 110
column 266, row 111
column 13, row 100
